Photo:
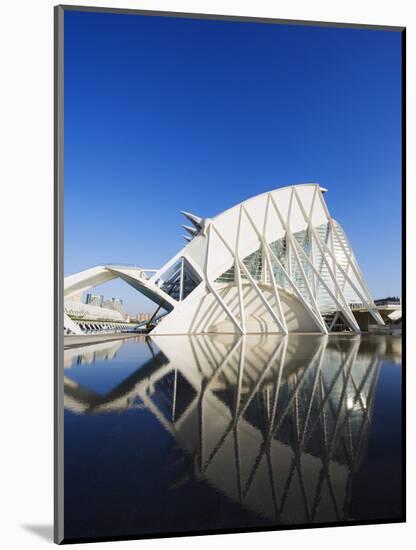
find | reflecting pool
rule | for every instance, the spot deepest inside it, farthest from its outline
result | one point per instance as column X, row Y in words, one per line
column 195, row 433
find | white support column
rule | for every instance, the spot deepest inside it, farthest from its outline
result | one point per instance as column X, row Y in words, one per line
column 334, row 267
column 266, row 254
column 323, row 247
column 305, row 280
column 253, row 283
column 292, row 240
column 238, row 276
column 285, row 273
column 212, row 289
column 343, row 307
column 370, row 308
column 262, row 297
column 286, row 226
column 350, row 258
column 275, row 290
column 181, row 280
column 360, row 278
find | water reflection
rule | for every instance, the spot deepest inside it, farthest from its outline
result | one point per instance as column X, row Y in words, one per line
column 278, row 425
column 89, row 354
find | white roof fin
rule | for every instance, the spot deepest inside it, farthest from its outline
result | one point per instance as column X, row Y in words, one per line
column 191, row 230
column 196, row 220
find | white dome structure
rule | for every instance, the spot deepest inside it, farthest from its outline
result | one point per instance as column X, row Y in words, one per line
column 275, row 263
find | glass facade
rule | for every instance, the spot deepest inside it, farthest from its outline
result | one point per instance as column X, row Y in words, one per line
column 180, row 280
column 299, row 270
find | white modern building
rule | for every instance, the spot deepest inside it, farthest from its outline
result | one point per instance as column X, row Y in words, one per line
column 275, row 263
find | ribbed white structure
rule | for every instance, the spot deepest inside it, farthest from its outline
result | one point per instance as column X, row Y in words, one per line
column 274, row 263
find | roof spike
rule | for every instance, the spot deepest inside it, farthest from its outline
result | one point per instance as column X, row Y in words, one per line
column 191, row 230
column 196, row 220
column 187, row 238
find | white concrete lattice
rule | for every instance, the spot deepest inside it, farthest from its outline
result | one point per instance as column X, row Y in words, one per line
column 275, row 263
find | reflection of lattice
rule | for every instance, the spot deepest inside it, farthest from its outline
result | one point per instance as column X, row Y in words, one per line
column 321, row 412
column 278, row 424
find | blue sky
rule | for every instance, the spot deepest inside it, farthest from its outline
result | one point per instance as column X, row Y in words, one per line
column 166, row 114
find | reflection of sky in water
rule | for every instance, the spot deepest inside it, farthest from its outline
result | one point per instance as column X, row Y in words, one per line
column 191, row 433
column 99, row 374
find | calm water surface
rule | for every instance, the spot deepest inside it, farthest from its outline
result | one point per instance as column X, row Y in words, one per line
column 179, row 433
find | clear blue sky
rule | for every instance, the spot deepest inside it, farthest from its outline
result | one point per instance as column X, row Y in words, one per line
column 165, row 114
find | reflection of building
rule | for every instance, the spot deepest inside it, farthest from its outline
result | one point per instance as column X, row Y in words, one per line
column 275, row 263
column 278, row 425
column 105, row 351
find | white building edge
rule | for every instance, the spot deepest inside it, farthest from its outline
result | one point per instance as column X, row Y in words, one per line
column 275, row 263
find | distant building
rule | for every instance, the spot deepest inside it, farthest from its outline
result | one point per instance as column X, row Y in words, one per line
column 140, row 317
column 114, row 303
column 94, row 300
column 387, row 301
column 80, row 311
column 78, row 297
